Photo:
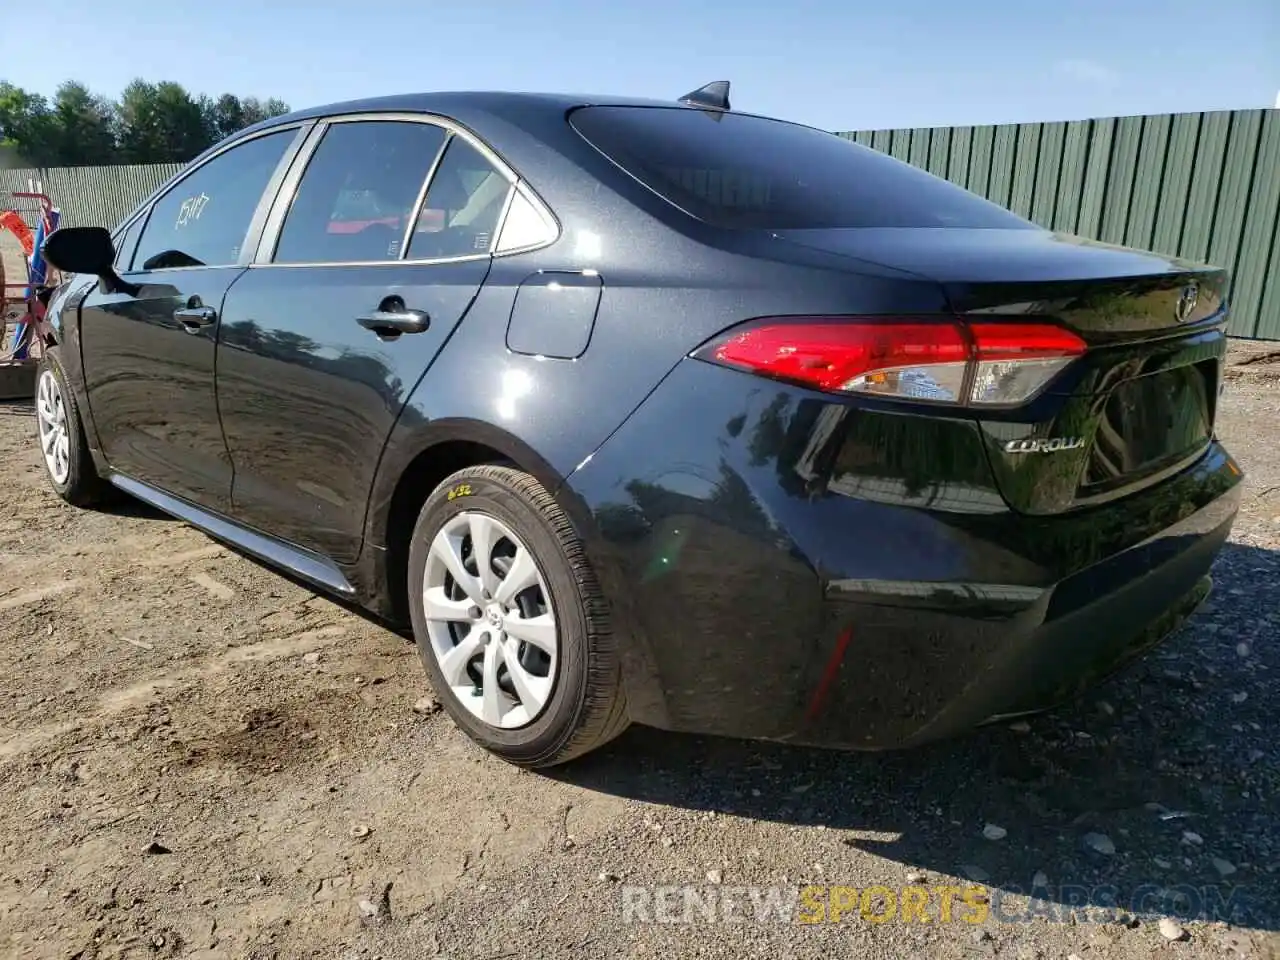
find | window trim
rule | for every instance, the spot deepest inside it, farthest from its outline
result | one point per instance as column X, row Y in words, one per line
column 270, row 237
column 119, row 234
column 254, row 230
column 415, row 211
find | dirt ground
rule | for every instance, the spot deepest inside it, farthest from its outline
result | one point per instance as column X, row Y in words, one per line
column 199, row 758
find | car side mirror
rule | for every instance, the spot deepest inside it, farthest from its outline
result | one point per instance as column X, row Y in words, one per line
column 86, row 250
column 81, row 250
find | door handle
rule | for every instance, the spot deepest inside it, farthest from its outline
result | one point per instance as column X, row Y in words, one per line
column 193, row 318
column 395, row 322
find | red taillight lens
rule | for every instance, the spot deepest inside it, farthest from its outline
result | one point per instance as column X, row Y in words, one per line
column 939, row 360
column 1023, row 341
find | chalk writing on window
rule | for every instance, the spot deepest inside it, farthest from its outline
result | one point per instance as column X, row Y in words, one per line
column 191, row 209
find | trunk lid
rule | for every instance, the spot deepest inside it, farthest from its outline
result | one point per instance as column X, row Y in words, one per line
column 1105, row 293
column 1139, row 406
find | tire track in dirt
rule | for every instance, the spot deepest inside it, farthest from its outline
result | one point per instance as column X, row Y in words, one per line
column 40, row 593
column 114, row 702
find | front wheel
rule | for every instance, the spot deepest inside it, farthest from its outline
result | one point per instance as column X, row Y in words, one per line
column 59, row 430
column 510, row 621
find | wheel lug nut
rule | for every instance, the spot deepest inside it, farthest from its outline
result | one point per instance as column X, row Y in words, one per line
column 474, row 613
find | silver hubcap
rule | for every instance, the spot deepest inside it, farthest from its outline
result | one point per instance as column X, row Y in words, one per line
column 51, row 417
column 489, row 620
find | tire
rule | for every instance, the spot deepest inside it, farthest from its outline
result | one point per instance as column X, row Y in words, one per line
column 586, row 704
column 67, row 463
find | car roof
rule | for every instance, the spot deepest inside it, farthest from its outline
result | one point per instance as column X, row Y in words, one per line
column 470, row 102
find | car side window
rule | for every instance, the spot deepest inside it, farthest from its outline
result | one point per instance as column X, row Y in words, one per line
column 525, row 226
column 464, row 202
column 204, row 219
column 359, row 189
column 125, row 243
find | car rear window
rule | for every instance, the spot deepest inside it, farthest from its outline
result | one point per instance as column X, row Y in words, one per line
column 745, row 172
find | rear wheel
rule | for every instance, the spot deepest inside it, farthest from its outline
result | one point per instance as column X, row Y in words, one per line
column 510, row 621
column 63, row 446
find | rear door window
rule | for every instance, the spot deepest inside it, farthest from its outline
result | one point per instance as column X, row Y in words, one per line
column 744, row 172
column 359, row 189
column 464, row 202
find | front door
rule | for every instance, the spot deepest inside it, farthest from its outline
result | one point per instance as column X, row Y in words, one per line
column 324, row 339
column 148, row 354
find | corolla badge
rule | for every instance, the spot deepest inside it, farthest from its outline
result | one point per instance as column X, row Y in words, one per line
column 1044, row 445
column 1188, row 297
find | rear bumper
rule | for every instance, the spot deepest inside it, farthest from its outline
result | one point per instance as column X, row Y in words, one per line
column 786, row 567
column 954, row 670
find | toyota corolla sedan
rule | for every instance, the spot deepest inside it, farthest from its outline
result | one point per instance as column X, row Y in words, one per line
column 655, row 412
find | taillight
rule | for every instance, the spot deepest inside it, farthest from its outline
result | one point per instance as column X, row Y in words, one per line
column 946, row 361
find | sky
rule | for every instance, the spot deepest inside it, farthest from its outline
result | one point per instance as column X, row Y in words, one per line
column 838, row 65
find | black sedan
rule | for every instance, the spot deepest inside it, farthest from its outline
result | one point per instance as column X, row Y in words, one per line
column 655, row 412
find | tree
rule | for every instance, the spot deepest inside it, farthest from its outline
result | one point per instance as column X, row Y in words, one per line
column 229, row 114
column 84, row 126
column 160, row 123
column 150, row 123
column 225, row 116
column 27, row 126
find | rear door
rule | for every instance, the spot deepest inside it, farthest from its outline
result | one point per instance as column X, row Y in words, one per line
column 148, row 354
column 374, row 251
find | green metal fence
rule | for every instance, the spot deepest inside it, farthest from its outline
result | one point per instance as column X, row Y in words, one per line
column 1200, row 185
column 87, row 196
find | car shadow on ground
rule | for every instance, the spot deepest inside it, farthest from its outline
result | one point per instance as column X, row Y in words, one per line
column 126, row 506
column 122, row 505
column 1154, row 794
